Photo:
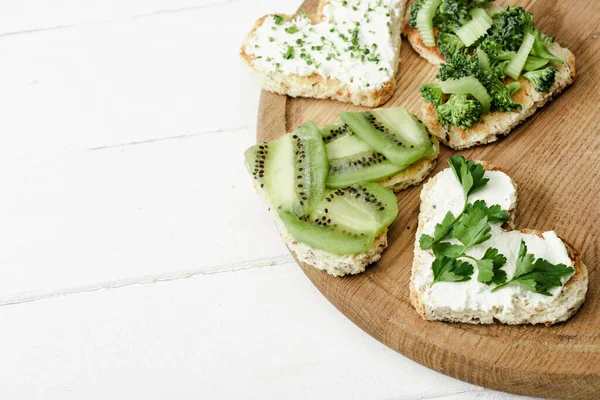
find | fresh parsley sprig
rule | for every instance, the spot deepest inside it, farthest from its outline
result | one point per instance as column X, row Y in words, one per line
column 536, row 275
column 471, row 227
column 448, row 269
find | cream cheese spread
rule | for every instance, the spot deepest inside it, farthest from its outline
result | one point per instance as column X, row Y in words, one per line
column 447, row 195
column 352, row 43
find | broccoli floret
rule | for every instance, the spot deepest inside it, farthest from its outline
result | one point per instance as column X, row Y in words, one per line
column 499, row 62
column 450, row 15
column 513, row 87
column 458, row 65
column 432, row 92
column 542, row 79
column 449, row 44
column 501, row 97
column 508, row 33
column 412, row 14
column 460, row 111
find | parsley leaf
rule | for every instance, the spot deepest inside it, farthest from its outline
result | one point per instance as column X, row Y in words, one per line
column 472, row 228
column 440, row 232
column 278, row 19
column 537, row 276
column 494, row 213
column 448, row 250
column 469, row 174
column 490, row 267
column 447, row 269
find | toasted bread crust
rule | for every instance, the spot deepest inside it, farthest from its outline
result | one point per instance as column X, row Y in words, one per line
column 568, row 301
column 413, row 175
column 315, row 85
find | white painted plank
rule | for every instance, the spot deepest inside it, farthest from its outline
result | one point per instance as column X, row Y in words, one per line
column 264, row 333
column 32, row 15
column 129, row 80
column 157, row 209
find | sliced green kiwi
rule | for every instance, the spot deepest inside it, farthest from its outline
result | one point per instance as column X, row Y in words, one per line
column 345, row 146
column 292, row 170
column 334, row 131
column 394, row 132
column 364, row 208
column 325, row 236
column 347, row 220
column 351, row 160
column 367, row 166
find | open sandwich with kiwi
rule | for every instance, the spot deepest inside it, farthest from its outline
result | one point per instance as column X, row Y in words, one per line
column 331, row 190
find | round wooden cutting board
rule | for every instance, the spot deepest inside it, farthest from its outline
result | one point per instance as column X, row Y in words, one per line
column 555, row 159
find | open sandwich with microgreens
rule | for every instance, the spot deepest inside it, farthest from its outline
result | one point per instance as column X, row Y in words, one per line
column 330, row 190
column 496, row 68
column 471, row 266
column 348, row 51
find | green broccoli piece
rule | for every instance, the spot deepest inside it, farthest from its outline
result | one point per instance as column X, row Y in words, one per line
column 508, row 33
column 513, row 87
column 412, row 14
column 501, row 97
column 458, row 65
column 542, row 79
column 432, row 92
column 449, row 44
column 499, row 62
column 449, row 16
column 459, row 110
column 452, row 14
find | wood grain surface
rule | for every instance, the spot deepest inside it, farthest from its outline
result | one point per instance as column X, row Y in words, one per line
column 555, row 159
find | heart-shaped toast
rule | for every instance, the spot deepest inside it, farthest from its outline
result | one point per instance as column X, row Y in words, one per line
column 472, row 266
column 348, row 51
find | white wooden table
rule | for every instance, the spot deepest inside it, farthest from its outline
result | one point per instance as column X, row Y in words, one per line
column 136, row 260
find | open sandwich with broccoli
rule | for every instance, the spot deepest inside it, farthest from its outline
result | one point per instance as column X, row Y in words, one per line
column 496, row 68
column 470, row 265
column 331, row 190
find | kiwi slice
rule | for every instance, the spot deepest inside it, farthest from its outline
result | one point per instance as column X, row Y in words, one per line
column 367, row 166
column 393, row 132
column 326, row 237
column 334, row 131
column 347, row 220
column 360, row 208
column 351, row 161
column 292, row 170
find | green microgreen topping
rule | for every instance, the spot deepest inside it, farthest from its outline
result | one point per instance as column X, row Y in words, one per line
column 278, row 19
column 289, row 53
column 291, row 29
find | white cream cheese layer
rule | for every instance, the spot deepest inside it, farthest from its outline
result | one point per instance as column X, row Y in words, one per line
column 447, row 195
column 353, row 43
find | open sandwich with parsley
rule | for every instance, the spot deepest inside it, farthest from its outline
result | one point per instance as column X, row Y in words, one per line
column 496, row 68
column 348, row 51
column 470, row 265
column 331, row 190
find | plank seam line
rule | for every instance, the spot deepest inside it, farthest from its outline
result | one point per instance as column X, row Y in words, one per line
column 275, row 261
column 189, row 135
column 121, row 18
column 437, row 396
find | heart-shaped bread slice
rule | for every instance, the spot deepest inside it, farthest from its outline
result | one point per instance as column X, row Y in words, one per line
column 349, row 51
column 469, row 300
